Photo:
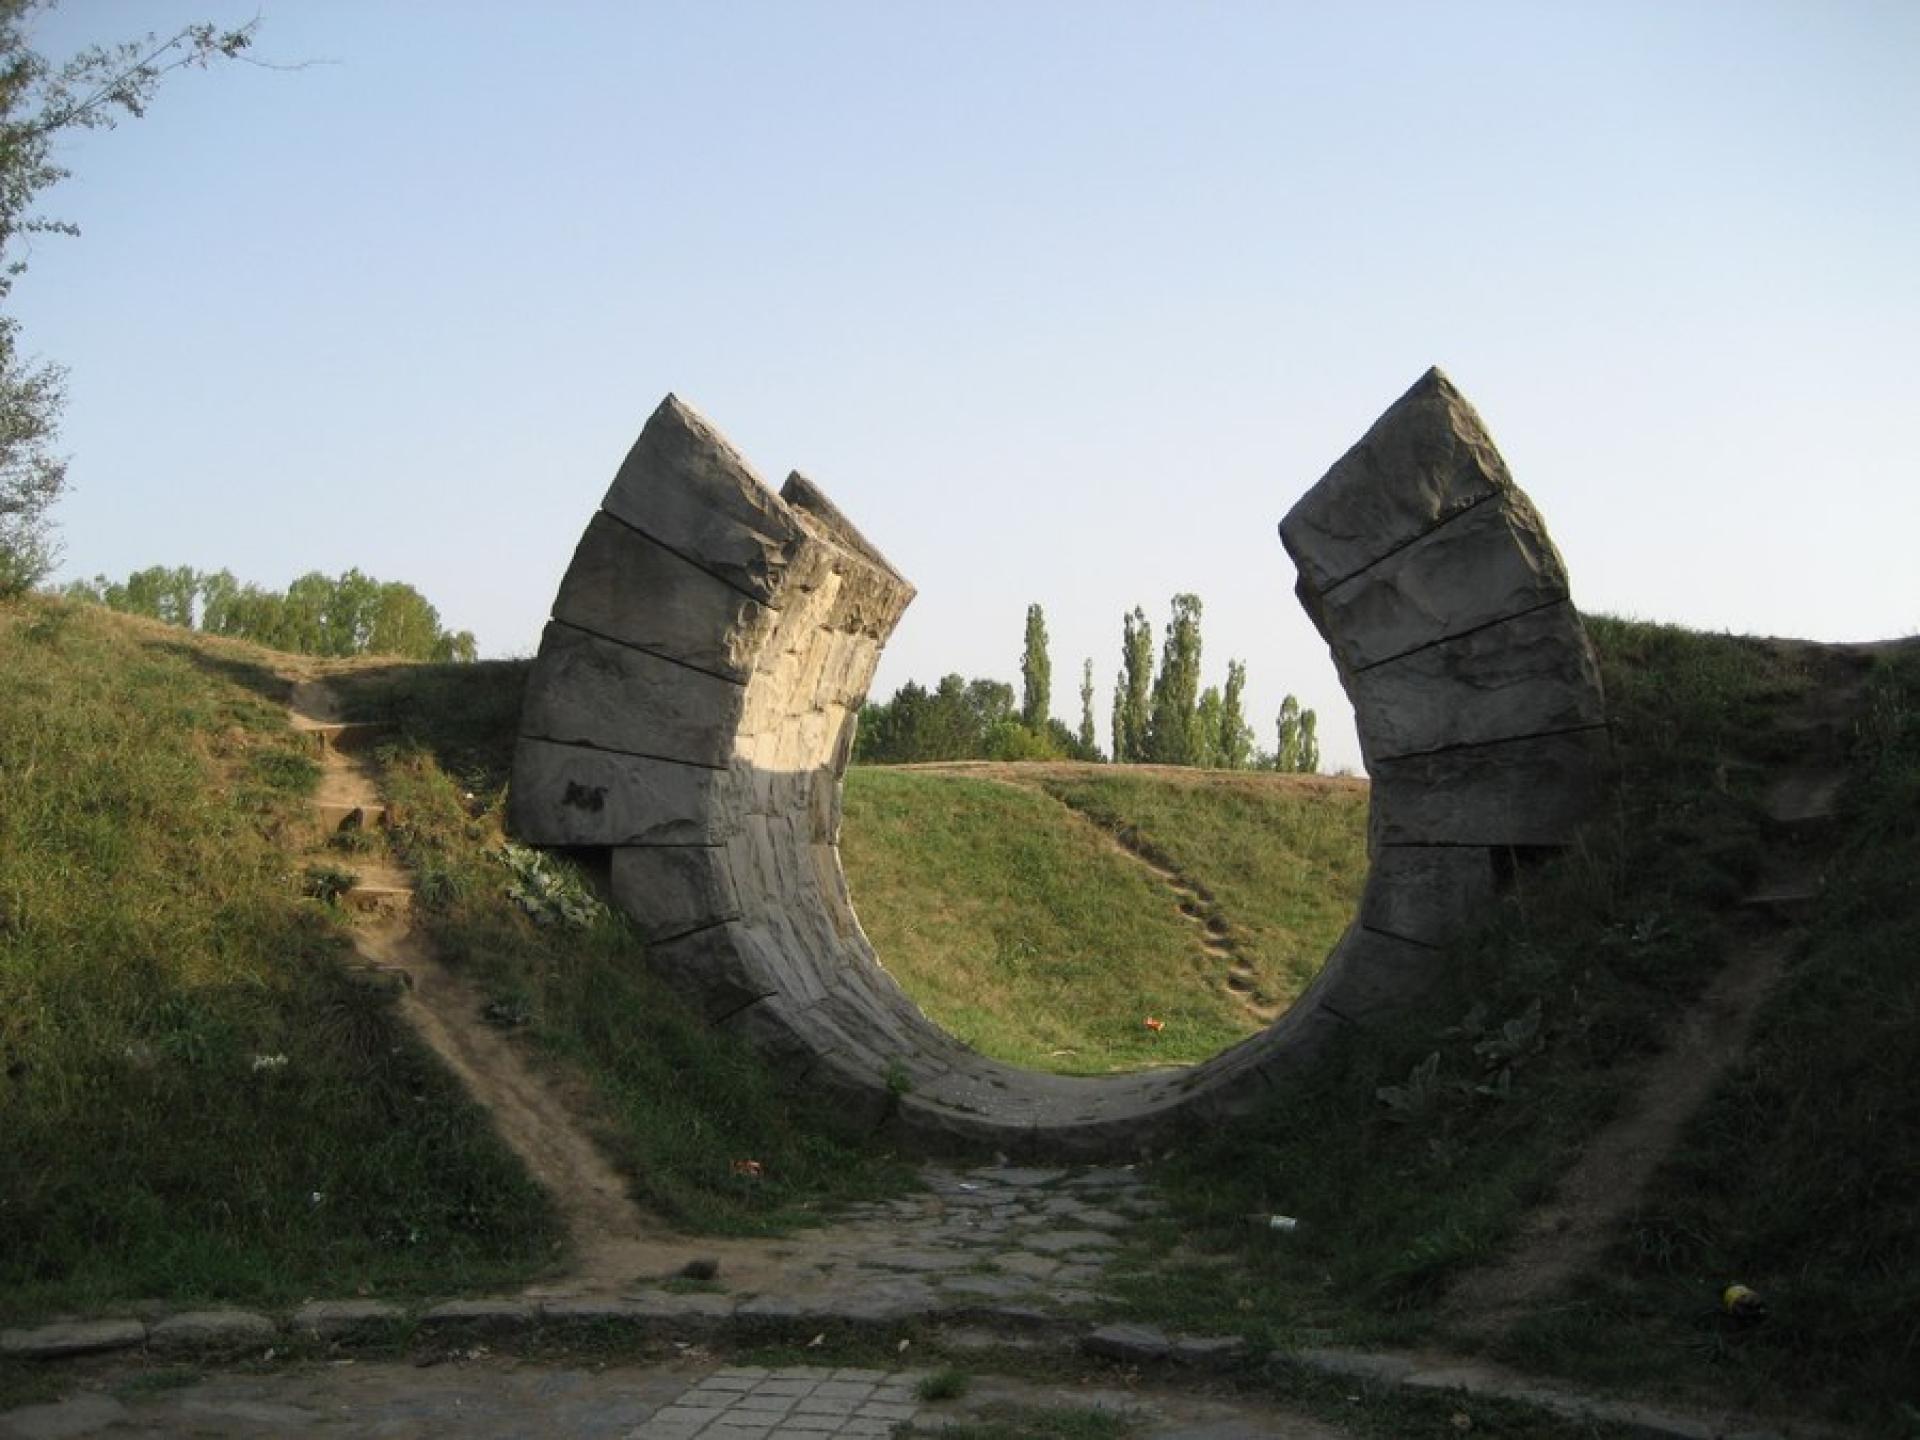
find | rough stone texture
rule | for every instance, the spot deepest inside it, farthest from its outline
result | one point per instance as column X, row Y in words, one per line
column 1490, row 563
column 672, row 890
column 479, row 1315
column 613, row 697
column 211, row 1330
column 1370, row 975
column 693, row 708
column 686, row 487
column 570, row 795
column 1423, row 461
column 1528, row 792
column 1428, row 893
column 77, row 1337
column 327, row 1318
column 632, row 589
column 1134, row 1343
column 1528, row 675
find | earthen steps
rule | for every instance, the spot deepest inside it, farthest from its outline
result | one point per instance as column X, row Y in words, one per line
column 385, row 899
column 335, row 816
column 345, row 735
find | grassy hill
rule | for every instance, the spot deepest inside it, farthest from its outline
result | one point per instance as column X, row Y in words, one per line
column 1042, row 911
column 194, row 1098
column 197, row 1103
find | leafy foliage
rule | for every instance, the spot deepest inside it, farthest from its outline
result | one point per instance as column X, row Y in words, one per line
column 353, row 614
column 1172, row 737
column 1298, row 750
column 1132, row 692
column 1036, row 673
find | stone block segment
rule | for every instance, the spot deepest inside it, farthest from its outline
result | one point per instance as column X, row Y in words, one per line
column 686, row 487
column 1422, row 462
column 633, row 589
column 693, row 708
column 1489, row 563
column 610, row 696
column 1529, row 675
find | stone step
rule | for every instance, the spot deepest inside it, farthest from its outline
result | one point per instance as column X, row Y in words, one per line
column 1804, row 799
column 378, row 898
column 1785, row 901
column 343, row 736
column 335, row 815
column 387, row 978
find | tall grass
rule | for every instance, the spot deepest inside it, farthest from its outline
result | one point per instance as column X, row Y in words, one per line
column 1417, row 1153
column 673, row 1102
column 194, row 1102
column 1798, row 1178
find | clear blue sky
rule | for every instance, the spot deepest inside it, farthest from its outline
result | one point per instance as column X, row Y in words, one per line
column 1061, row 302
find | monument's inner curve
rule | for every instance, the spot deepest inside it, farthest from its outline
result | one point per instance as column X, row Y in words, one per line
column 692, row 711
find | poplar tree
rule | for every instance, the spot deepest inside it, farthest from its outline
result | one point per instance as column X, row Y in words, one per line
column 1132, row 705
column 1207, row 717
column 1087, row 741
column 1176, row 691
column 1236, row 739
column 1036, row 674
column 1286, row 755
column 1309, row 743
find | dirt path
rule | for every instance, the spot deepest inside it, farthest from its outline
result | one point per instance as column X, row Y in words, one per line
column 614, row 1243
column 1239, row 979
column 1567, row 1234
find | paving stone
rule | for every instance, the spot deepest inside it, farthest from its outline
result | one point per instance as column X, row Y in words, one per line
column 1128, row 1342
column 1208, row 1349
column 850, row 1390
column 1094, row 1219
column 993, row 1287
column 1102, row 1178
column 210, row 1329
column 77, row 1415
column 80, row 1337
column 480, row 1314
column 916, row 1261
column 1034, row 1267
column 1060, row 1242
column 1019, row 1177
column 329, row 1318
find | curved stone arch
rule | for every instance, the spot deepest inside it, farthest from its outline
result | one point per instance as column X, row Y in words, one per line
column 692, row 710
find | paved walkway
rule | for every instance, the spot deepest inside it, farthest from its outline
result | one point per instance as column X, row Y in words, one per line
column 495, row 1399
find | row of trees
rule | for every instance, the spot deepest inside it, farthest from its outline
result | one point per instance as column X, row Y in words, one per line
column 1161, row 718
column 961, row 719
column 351, row 614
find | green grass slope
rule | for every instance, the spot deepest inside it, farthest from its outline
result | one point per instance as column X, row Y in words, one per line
column 673, row 1104
column 1419, row 1151
column 1279, row 859
column 193, row 1102
column 1003, row 905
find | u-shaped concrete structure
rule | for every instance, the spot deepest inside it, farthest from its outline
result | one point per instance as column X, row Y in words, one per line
column 693, row 706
